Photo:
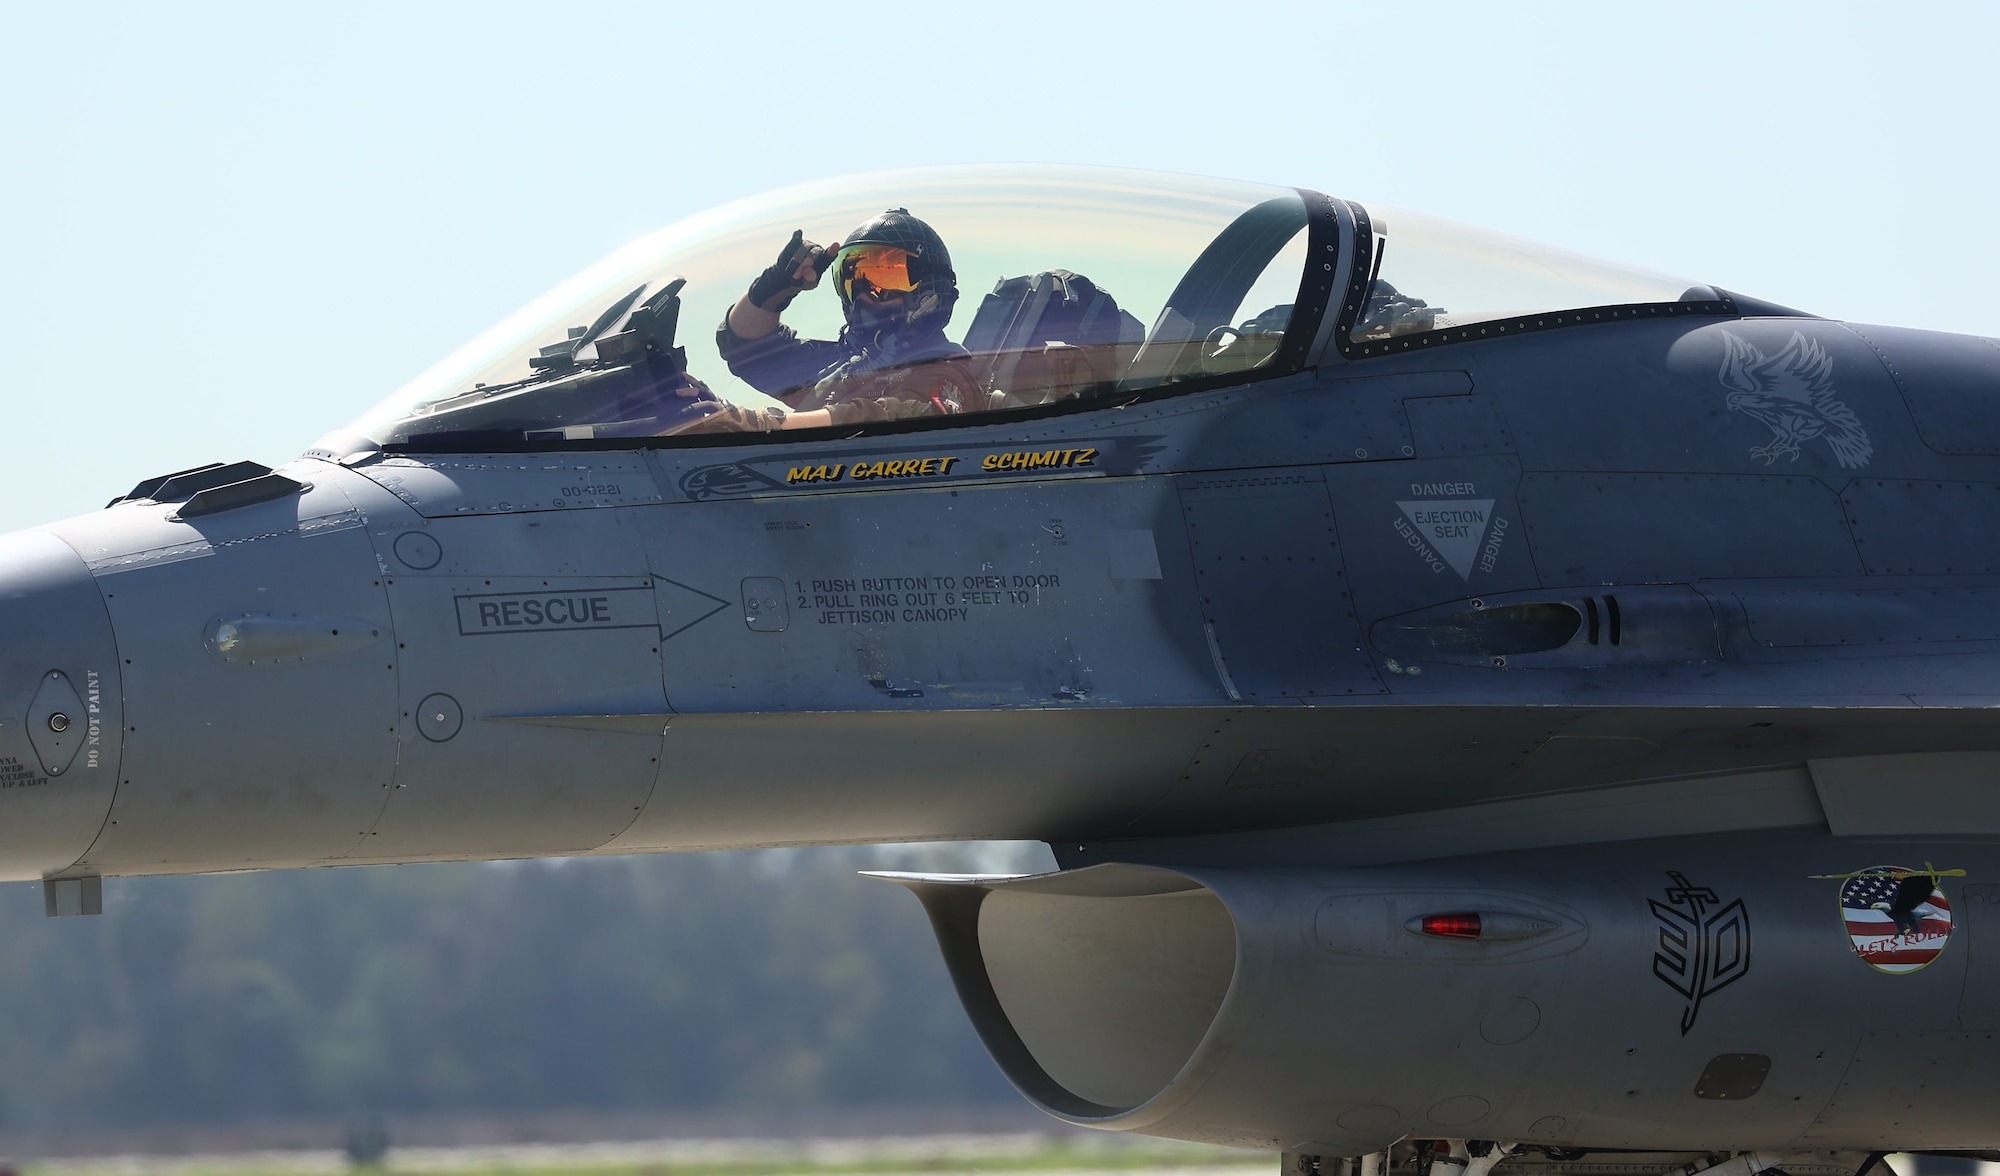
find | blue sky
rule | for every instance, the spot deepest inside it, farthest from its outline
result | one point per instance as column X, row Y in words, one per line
column 225, row 229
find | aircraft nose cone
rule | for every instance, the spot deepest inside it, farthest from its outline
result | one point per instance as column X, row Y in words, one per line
column 59, row 706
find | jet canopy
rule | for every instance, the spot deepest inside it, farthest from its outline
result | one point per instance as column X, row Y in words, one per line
column 971, row 291
column 1063, row 276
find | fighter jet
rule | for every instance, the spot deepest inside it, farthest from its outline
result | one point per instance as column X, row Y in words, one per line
column 1487, row 704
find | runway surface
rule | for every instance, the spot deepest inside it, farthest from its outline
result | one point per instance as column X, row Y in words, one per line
column 929, row 1155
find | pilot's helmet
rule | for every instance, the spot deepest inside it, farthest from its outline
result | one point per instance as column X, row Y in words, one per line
column 894, row 275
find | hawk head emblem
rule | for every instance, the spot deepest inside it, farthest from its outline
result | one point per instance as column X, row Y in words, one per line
column 725, row 481
column 1792, row 392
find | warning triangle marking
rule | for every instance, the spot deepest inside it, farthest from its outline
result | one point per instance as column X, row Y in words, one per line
column 682, row 607
column 1454, row 527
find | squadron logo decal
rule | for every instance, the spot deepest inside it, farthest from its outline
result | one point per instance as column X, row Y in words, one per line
column 732, row 480
column 1897, row 918
column 1704, row 943
column 1456, row 532
column 1792, row 392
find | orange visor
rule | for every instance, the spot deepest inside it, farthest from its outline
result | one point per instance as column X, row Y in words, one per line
column 884, row 267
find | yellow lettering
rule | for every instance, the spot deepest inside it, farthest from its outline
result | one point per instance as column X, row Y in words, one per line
column 1086, row 456
column 798, row 474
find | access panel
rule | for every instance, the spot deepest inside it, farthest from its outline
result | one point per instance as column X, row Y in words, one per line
column 1275, row 605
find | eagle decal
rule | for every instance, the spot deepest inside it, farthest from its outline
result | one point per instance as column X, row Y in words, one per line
column 1792, row 392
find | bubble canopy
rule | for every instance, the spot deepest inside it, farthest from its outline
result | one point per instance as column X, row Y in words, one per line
column 1073, row 283
column 981, row 290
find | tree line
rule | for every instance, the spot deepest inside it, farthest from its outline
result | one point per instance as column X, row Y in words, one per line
column 777, row 979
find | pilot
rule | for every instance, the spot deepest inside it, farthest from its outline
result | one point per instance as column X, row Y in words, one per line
column 892, row 359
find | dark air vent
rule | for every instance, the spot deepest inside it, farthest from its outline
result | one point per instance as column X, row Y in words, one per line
column 1548, row 628
column 1611, row 611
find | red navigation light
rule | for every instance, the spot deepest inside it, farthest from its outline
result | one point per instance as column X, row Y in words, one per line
column 1461, row 925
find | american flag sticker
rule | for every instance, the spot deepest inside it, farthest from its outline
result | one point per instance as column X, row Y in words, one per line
column 1898, row 918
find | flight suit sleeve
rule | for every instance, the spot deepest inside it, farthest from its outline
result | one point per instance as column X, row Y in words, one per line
column 932, row 389
column 730, row 418
column 779, row 363
column 880, row 408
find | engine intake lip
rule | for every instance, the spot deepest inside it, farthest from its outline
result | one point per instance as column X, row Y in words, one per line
column 1094, row 989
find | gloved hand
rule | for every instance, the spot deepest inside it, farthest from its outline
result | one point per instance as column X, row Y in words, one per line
column 797, row 269
column 720, row 416
column 692, row 402
column 691, row 388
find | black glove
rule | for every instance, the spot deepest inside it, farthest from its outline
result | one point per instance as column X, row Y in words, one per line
column 775, row 288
